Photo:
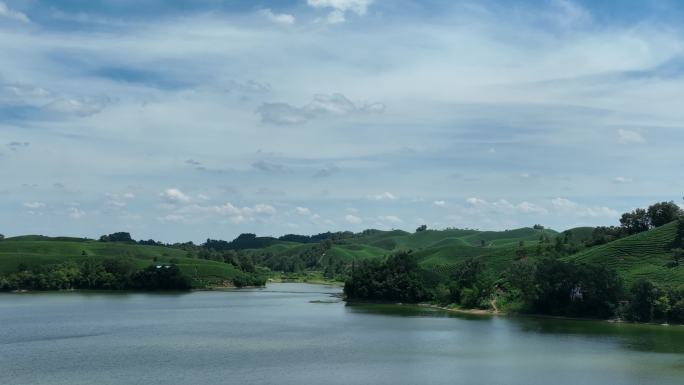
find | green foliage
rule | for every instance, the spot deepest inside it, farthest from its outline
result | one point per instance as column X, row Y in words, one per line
column 93, row 274
column 662, row 213
column 658, row 214
column 643, row 301
column 396, row 279
column 117, row 237
column 163, row 277
column 575, row 290
column 635, row 222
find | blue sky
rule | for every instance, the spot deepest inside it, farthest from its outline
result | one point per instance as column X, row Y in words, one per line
column 207, row 118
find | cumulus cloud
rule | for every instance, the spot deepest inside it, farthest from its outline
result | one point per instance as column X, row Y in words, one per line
column 580, row 210
column 339, row 8
column 174, row 195
column 320, row 106
column 626, row 136
column 504, row 205
column 119, row 200
column 386, row 196
column 34, row 205
column 390, row 219
column 302, row 211
column 476, row 201
column 8, row 13
column 439, row 203
column 353, row 219
column 622, row 179
column 280, row 18
column 235, row 214
column 76, row 213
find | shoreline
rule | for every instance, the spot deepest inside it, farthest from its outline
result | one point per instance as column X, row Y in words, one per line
column 487, row 312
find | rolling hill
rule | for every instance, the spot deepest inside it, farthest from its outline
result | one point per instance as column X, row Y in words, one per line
column 34, row 250
column 645, row 255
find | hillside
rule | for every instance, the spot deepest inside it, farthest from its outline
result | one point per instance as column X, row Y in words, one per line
column 32, row 251
column 435, row 248
column 644, row 255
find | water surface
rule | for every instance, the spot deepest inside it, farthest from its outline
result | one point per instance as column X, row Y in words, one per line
column 278, row 335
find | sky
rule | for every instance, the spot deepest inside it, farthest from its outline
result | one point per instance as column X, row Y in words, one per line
column 198, row 119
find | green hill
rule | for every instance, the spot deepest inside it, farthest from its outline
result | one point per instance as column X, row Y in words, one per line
column 435, row 248
column 644, row 255
column 33, row 251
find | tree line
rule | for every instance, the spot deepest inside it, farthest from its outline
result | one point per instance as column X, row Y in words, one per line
column 543, row 285
column 108, row 274
column 547, row 286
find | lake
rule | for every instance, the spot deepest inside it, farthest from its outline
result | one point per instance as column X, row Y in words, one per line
column 282, row 335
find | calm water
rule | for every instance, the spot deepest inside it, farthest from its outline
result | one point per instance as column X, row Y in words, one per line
column 277, row 336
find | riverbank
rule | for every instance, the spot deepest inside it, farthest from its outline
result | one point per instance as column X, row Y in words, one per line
column 453, row 309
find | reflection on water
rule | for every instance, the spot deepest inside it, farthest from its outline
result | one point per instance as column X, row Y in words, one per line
column 302, row 334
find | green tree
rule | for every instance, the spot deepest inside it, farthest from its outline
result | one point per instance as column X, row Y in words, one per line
column 642, row 305
column 663, row 213
column 635, row 222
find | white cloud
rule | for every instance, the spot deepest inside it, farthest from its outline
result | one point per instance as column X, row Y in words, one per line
column 386, row 196
column 302, row 211
column 340, row 7
column 6, row 12
column 570, row 13
column 196, row 212
column 503, row 205
column 320, row 106
column 439, row 203
column 568, row 207
column 174, row 218
column 476, row 201
column 34, row 205
column 80, row 107
column 174, row 195
column 353, row 219
column 76, row 213
column 280, row 18
column 119, row 200
column 390, row 219
column 563, row 203
column 626, row 136
column 622, row 179
column 116, row 203
column 335, row 17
